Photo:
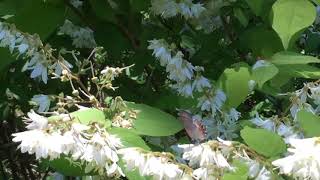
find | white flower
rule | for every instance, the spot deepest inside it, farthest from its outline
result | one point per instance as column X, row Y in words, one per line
column 256, row 170
column 190, row 10
column 59, row 66
column 288, row 133
column 76, row 3
column 264, row 174
column 43, row 101
column 234, row 114
column 90, row 144
column 265, row 124
column 165, row 8
column 202, row 155
column 260, row 63
column 251, row 85
column 204, row 174
column 36, row 121
column 200, row 83
column 303, row 160
column 82, row 37
column 150, row 165
column 315, row 94
column 160, row 50
column 38, row 66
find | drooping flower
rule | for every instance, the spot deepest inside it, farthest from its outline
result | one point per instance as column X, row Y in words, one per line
column 159, row 167
column 90, row 144
column 82, row 37
column 42, row 101
column 303, row 159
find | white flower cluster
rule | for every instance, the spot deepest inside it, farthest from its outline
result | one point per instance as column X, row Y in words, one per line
column 27, row 46
column 299, row 99
column 82, row 37
column 303, row 160
column 180, row 70
column 286, row 131
column 31, row 47
column 170, row 8
column 90, row 144
column 188, row 80
column 160, row 166
column 207, row 158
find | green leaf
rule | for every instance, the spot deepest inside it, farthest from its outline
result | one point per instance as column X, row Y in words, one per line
column 40, row 17
column 264, row 73
column 234, row 82
column 103, row 10
column 154, row 122
column 129, row 138
column 262, row 41
column 88, row 116
column 263, row 141
column 290, row 17
column 260, row 7
column 309, row 123
column 241, row 172
column 302, row 71
column 287, row 58
column 7, row 58
column 241, row 16
column 67, row 167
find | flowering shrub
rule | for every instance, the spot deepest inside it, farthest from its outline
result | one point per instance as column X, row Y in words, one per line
column 160, row 89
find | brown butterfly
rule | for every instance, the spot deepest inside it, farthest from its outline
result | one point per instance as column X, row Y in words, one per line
column 195, row 129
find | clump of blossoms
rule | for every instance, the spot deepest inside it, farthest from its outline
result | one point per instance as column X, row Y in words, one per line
column 91, row 144
column 30, row 47
column 158, row 165
column 171, row 8
column 212, row 159
column 188, row 79
column 302, row 160
column 186, row 76
column 81, row 37
column 208, row 159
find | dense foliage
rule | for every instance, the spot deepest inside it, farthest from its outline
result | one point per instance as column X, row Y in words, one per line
column 160, row 89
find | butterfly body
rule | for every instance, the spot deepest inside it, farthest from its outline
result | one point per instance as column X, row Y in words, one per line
column 194, row 128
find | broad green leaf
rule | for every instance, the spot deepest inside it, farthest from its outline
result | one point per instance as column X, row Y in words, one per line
column 290, row 17
column 234, row 82
column 88, row 116
column 129, row 138
column 241, row 171
column 287, row 58
column 154, row 122
column 263, row 141
column 264, row 73
column 67, row 167
column 262, row 41
column 40, row 17
column 300, row 70
column 309, row 123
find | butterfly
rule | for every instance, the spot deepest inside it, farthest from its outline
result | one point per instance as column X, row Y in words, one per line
column 194, row 128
